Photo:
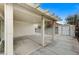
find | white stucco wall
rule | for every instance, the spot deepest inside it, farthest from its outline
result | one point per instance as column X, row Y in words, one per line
column 23, row 29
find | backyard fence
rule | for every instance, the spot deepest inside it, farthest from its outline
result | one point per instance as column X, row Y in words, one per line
column 68, row 30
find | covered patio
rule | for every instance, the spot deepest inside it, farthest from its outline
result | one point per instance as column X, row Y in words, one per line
column 25, row 20
column 20, row 31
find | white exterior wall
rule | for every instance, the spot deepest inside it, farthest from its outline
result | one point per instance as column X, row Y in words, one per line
column 23, row 28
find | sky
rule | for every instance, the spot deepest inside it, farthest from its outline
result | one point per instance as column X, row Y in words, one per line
column 61, row 9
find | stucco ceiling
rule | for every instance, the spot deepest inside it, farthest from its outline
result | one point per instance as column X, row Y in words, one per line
column 22, row 14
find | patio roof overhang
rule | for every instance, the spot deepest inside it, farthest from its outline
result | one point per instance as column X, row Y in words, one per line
column 22, row 14
column 32, row 14
column 26, row 13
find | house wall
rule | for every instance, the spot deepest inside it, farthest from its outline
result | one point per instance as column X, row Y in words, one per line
column 23, row 28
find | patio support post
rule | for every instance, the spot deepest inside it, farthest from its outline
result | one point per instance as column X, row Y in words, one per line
column 8, row 26
column 69, row 31
column 53, row 30
column 43, row 31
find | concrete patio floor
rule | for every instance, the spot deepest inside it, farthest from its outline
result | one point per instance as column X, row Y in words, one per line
column 28, row 44
column 62, row 45
column 24, row 46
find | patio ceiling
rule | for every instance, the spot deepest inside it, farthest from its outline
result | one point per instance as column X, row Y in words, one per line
column 22, row 14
